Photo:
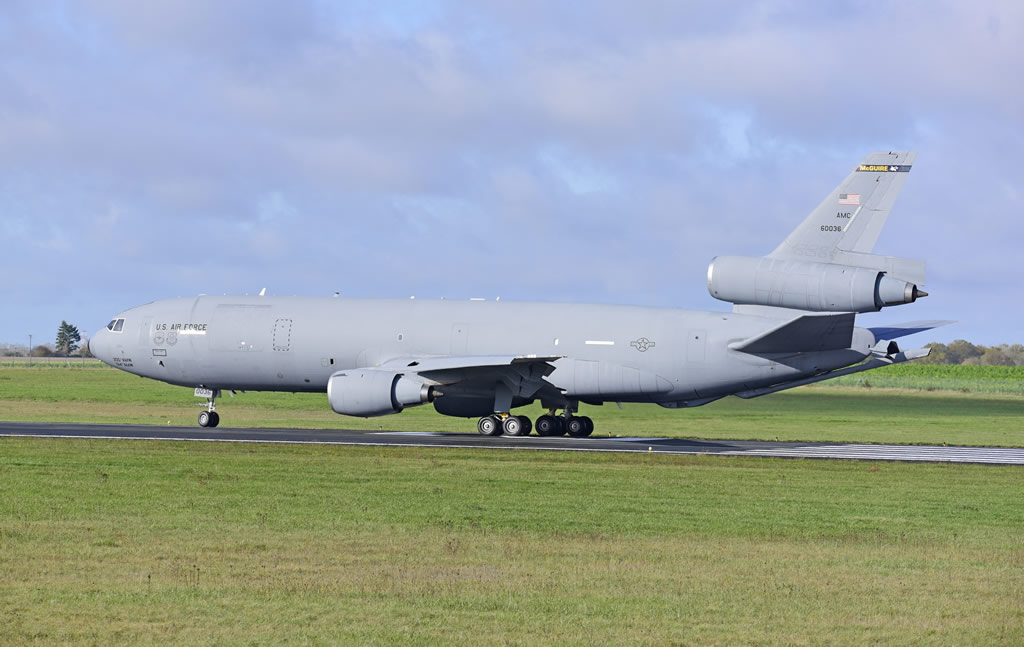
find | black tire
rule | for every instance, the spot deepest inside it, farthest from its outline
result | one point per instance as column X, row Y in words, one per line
column 547, row 426
column 560, row 430
column 488, row 426
column 589, row 425
column 214, row 418
column 205, row 418
column 527, row 425
column 576, row 427
column 512, row 426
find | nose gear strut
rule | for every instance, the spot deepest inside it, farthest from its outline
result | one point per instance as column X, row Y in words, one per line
column 210, row 417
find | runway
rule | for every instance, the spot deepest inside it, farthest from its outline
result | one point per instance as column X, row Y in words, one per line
column 689, row 446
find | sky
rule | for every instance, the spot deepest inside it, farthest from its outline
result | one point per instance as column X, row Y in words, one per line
column 592, row 152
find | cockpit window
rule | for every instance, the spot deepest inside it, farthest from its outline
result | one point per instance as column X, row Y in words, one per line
column 115, row 325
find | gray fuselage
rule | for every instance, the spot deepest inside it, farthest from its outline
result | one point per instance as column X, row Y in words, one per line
column 605, row 353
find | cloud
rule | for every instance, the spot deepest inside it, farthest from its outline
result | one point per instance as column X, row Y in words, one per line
column 602, row 152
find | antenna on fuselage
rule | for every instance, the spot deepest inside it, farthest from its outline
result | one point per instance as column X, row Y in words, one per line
column 263, row 292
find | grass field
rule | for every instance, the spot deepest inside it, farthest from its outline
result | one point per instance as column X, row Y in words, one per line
column 106, row 542
column 113, row 542
column 939, row 377
column 92, row 392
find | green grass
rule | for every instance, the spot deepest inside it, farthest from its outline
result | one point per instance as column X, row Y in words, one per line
column 940, row 377
column 112, row 542
column 94, row 393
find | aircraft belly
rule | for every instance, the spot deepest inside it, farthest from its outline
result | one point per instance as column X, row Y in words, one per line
column 589, row 379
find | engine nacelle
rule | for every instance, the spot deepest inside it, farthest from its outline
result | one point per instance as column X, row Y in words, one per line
column 367, row 392
column 805, row 285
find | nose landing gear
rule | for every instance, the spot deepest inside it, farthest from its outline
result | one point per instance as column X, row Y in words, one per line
column 208, row 418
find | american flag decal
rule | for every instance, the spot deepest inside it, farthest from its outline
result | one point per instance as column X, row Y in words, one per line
column 849, row 198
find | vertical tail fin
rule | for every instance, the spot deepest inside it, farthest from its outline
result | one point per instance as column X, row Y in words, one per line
column 849, row 221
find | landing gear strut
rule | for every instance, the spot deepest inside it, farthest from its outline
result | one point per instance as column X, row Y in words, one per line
column 209, row 418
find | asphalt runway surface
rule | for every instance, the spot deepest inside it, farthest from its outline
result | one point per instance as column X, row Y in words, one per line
column 692, row 446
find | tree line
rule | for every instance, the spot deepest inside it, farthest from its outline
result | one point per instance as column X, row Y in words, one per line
column 962, row 351
column 67, row 344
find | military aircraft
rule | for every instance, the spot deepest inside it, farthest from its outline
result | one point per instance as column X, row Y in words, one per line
column 792, row 323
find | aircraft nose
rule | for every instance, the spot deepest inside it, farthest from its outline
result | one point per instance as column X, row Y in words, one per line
column 98, row 347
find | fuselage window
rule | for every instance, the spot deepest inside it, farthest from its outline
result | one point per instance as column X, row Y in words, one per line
column 118, row 325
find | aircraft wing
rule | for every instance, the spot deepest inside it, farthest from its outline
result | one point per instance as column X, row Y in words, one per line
column 449, row 369
column 517, row 375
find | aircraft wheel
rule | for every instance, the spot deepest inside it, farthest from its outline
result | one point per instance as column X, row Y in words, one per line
column 589, row 425
column 214, row 418
column 547, row 425
column 576, row 427
column 560, row 430
column 205, row 418
column 512, row 426
column 527, row 425
column 489, row 426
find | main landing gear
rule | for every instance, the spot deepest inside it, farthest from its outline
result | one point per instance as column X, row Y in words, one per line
column 547, row 425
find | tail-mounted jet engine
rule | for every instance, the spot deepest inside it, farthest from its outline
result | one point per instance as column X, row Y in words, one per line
column 367, row 392
column 804, row 285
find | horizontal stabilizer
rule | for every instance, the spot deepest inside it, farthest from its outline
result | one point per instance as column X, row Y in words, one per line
column 895, row 331
column 876, row 361
column 805, row 334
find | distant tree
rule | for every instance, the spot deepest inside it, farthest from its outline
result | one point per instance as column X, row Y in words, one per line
column 67, row 339
column 996, row 356
column 1016, row 353
column 10, row 351
column 41, row 351
column 962, row 350
column 939, row 354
